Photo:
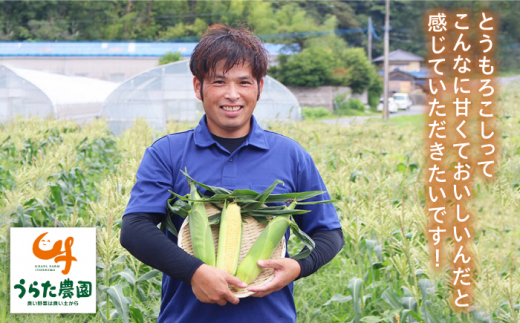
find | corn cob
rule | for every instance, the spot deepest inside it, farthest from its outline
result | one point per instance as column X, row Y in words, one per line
column 200, row 231
column 263, row 247
column 230, row 238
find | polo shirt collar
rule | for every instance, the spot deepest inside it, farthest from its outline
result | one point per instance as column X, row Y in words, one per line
column 256, row 137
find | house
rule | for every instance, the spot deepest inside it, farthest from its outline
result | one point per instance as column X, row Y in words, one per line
column 406, row 73
column 401, row 60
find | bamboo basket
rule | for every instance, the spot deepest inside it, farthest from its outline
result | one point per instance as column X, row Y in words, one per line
column 250, row 232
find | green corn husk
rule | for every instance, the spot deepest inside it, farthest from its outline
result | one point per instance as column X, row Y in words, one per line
column 200, row 231
column 263, row 247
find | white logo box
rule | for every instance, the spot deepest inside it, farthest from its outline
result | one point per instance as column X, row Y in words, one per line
column 38, row 278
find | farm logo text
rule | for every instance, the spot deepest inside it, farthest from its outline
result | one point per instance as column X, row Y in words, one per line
column 45, row 275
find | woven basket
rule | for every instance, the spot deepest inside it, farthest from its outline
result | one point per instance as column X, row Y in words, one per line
column 250, row 232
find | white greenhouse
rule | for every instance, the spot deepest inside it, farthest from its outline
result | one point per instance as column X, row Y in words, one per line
column 29, row 93
column 166, row 93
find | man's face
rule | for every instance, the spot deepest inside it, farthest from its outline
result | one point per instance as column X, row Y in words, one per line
column 229, row 100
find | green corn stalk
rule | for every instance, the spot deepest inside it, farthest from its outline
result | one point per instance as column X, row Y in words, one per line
column 355, row 286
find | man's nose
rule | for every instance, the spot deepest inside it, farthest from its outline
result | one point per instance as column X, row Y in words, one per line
column 232, row 92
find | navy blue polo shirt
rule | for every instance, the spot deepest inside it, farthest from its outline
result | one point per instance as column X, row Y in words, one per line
column 263, row 157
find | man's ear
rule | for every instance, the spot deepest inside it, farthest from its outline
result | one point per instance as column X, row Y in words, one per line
column 260, row 88
column 197, row 88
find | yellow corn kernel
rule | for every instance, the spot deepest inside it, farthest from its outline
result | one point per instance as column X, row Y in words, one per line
column 230, row 238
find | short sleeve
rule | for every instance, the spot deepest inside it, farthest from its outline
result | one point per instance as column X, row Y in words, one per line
column 153, row 180
column 323, row 217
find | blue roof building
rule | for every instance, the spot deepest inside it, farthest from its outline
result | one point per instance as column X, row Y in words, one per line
column 406, row 73
column 107, row 49
column 110, row 61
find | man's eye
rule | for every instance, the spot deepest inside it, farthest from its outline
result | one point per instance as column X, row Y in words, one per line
column 219, row 82
column 246, row 82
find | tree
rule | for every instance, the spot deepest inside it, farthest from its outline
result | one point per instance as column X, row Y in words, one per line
column 360, row 68
column 293, row 20
column 182, row 30
column 375, row 89
column 311, row 67
column 261, row 18
column 170, row 58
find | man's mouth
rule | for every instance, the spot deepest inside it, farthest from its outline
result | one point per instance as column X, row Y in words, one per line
column 230, row 108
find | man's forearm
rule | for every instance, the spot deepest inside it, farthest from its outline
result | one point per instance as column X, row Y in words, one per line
column 328, row 244
column 141, row 237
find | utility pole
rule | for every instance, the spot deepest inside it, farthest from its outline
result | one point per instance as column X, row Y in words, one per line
column 385, row 93
column 370, row 39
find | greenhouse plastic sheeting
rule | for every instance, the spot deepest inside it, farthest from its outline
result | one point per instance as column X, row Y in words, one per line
column 20, row 97
column 29, row 93
column 166, row 93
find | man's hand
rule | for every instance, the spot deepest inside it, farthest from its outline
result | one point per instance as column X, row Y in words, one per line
column 286, row 270
column 210, row 285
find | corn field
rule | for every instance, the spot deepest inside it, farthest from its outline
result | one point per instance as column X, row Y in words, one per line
column 55, row 173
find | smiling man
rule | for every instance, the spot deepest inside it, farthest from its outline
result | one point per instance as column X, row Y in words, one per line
column 230, row 99
column 229, row 149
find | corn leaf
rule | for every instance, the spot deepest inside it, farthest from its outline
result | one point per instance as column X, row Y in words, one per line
column 128, row 275
column 307, row 241
column 409, row 303
column 426, row 288
column 292, row 196
column 137, row 314
column 213, row 189
column 244, row 193
column 267, row 192
column 141, row 295
column 338, row 298
column 103, row 316
column 179, row 207
column 214, row 219
column 406, row 291
column 261, row 212
column 56, row 194
column 429, row 317
column 404, row 316
column 261, row 219
column 273, row 207
column 119, row 301
column 219, row 198
column 317, row 202
column 113, row 314
column 167, row 224
column 149, row 275
column 187, row 199
column 253, row 207
column 354, row 286
column 260, row 198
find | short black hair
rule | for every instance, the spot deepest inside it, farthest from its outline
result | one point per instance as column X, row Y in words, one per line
column 235, row 46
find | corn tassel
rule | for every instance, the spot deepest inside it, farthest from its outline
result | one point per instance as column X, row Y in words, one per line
column 263, row 247
column 200, row 231
column 230, row 238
